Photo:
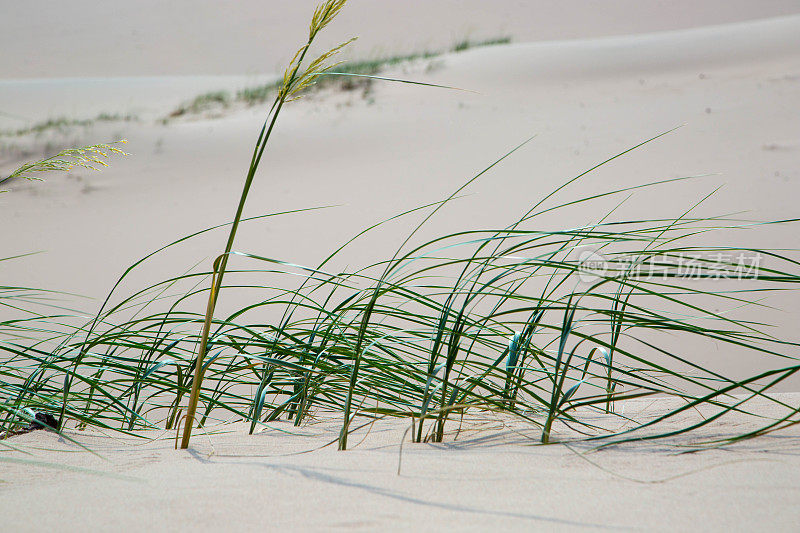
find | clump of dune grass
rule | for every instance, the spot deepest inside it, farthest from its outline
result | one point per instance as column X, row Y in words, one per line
column 466, row 44
column 204, row 102
column 64, row 123
column 498, row 319
column 251, row 96
column 502, row 319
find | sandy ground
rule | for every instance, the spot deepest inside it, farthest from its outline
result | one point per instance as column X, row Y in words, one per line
column 588, row 82
column 489, row 474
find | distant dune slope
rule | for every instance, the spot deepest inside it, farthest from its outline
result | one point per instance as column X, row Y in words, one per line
column 152, row 38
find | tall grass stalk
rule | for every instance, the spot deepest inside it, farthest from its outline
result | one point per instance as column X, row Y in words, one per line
column 294, row 81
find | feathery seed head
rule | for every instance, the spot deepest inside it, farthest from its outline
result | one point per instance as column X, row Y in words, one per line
column 323, row 15
column 294, row 83
column 89, row 157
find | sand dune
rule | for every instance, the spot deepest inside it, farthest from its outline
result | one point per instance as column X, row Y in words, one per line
column 589, row 86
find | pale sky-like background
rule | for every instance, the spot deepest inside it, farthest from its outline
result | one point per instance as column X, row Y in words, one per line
column 90, row 38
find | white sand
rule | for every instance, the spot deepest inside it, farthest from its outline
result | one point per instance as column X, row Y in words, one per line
column 487, row 476
column 735, row 86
